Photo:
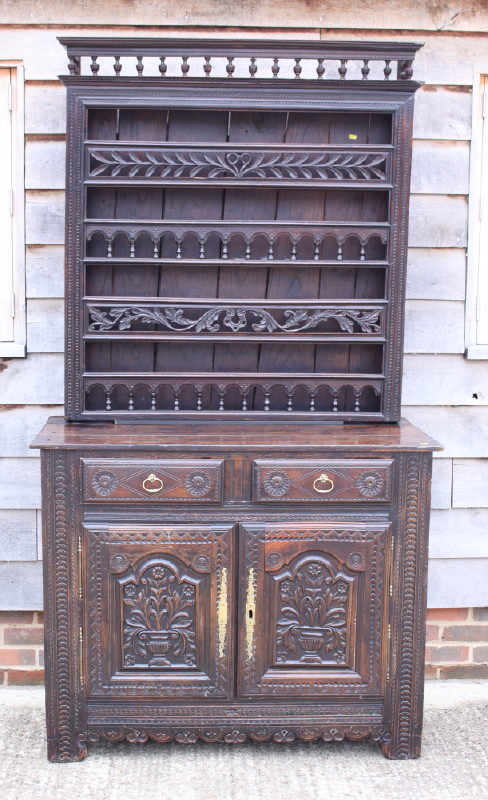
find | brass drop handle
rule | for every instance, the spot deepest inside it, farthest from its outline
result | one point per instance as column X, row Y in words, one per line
column 324, row 480
column 152, row 479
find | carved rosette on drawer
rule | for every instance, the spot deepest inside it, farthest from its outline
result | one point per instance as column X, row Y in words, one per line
column 159, row 599
column 350, row 480
column 152, row 480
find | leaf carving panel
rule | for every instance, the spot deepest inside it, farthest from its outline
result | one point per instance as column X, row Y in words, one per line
column 319, row 165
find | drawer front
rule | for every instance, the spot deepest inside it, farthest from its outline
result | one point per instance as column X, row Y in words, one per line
column 351, row 480
column 152, row 481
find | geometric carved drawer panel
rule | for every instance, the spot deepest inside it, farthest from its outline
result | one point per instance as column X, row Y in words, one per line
column 312, row 608
column 319, row 481
column 152, row 480
column 158, row 600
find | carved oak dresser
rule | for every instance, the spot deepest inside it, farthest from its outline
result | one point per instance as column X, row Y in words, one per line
column 226, row 555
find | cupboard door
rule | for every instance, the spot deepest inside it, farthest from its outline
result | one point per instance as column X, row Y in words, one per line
column 159, row 619
column 312, row 608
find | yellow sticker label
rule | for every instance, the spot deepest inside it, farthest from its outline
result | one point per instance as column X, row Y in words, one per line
column 353, row 136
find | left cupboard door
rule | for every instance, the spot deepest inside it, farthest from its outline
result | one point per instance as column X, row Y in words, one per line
column 159, row 605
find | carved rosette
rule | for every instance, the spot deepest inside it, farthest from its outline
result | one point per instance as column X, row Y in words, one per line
column 274, row 561
column 276, row 483
column 104, row 482
column 355, row 561
column 201, row 563
column 198, row 483
column 119, row 562
column 370, row 484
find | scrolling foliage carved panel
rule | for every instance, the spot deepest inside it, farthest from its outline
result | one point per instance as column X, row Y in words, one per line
column 249, row 319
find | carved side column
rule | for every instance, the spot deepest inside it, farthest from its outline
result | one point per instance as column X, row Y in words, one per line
column 61, row 605
column 404, row 705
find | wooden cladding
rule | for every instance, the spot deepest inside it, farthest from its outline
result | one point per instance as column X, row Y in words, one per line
column 220, row 238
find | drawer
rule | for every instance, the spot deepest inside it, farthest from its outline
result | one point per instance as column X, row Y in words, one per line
column 313, row 481
column 152, row 481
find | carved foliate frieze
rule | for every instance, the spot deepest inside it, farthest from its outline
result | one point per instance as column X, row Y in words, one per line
column 233, row 735
column 334, row 165
column 233, row 318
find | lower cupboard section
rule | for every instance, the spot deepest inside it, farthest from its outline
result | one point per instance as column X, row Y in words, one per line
column 166, row 619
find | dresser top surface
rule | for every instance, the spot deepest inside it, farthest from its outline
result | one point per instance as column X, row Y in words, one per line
column 229, row 436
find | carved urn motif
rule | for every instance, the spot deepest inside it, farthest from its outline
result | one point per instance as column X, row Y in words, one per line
column 158, row 643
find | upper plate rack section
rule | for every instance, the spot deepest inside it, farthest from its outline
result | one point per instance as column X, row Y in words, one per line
column 328, row 61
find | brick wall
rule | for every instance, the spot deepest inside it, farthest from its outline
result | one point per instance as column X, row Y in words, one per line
column 21, row 647
column 457, row 645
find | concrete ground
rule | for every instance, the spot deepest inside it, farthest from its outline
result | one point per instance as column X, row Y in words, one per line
column 454, row 764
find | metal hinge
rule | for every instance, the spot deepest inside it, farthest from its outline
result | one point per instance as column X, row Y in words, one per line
column 392, row 554
column 82, row 679
column 80, row 572
column 388, row 638
column 12, row 305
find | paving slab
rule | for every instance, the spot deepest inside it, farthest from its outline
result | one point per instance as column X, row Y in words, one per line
column 454, row 764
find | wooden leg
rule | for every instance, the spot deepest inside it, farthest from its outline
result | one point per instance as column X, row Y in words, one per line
column 405, row 694
column 61, row 606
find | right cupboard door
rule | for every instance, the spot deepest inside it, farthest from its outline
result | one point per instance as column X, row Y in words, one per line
column 312, row 608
